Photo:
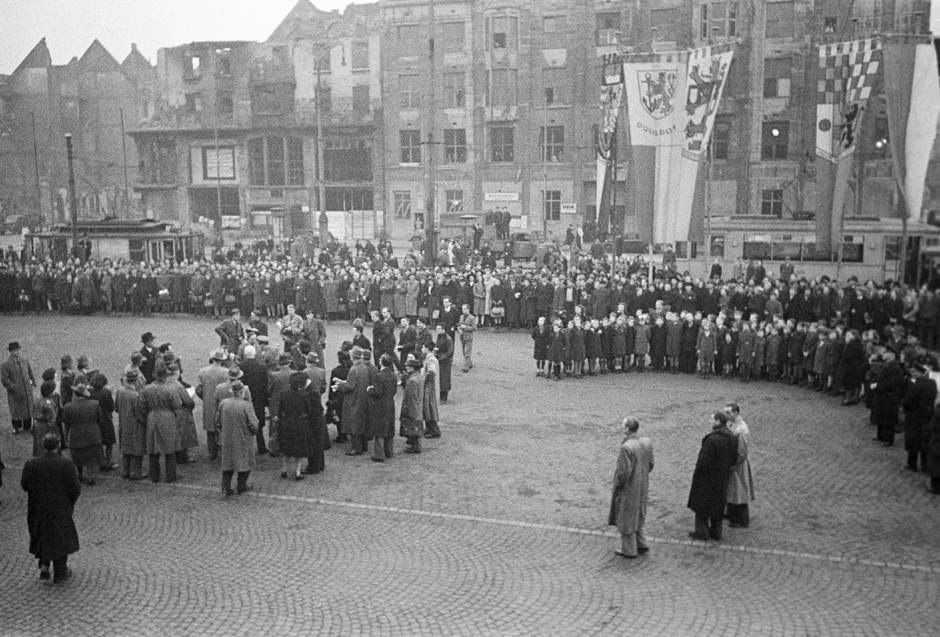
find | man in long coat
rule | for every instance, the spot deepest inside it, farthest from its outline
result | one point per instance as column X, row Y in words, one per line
column 444, row 351
column 82, row 420
column 741, row 481
column 631, row 490
column 148, row 355
column 255, row 377
column 17, row 378
column 238, row 426
column 432, row 376
column 356, row 405
column 382, row 390
column 51, row 483
column 466, row 326
column 887, row 393
column 716, row 458
column 208, row 379
column 918, row 406
column 412, row 405
column 159, row 403
column 278, row 383
column 132, row 426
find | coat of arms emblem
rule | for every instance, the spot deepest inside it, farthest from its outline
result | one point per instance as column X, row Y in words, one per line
column 657, row 92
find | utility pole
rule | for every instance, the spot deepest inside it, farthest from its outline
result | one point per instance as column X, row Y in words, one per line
column 218, row 180
column 73, row 200
column 127, row 200
column 323, row 221
column 32, row 114
column 431, row 220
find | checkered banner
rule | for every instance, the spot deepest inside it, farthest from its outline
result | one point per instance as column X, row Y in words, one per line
column 846, row 73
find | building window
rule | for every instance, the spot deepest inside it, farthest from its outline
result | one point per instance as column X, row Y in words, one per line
column 454, row 90
column 272, row 99
column 608, row 27
column 718, row 246
column 501, row 144
column 669, row 24
column 218, row 163
column 554, row 25
column 721, row 138
column 192, row 66
column 295, row 161
column 223, row 62
column 158, row 162
column 408, row 91
column 454, row 201
column 410, row 146
column 454, row 36
column 503, row 87
column 771, row 203
column 360, row 55
column 775, row 140
column 211, row 202
column 779, row 23
column 455, row 146
column 412, row 40
column 276, row 161
column 829, row 24
column 504, row 32
column 193, row 103
column 402, row 200
column 777, row 77
column 554, row 79
column 360, row 99
column 551, row 205
column 552, row 143
column 718, row 20
column 348, row 159
column 225, row 103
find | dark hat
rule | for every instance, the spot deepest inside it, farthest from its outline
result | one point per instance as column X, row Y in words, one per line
column 84, row 360
column 65, row 361
column 131, row 375
column 136, row 357
column 163, row 348
column 284, row 359
column 146, row 337
column 412, row 362
column 49, row 374
column 13, row 346
column 234, row 372
column 312, row 357
column 237, row 386
column 218, row 354
column 298, row 380
column 263, row 339
column 81, row 389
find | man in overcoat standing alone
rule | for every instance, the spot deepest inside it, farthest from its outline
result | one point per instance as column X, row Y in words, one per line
column 17, row 378
column 631, row 490
column 718, row 455
column 51, row 484
column 741, row 482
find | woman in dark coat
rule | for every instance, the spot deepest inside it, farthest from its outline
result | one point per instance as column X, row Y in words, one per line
column 300, row 427
column 717, row 457
column 382, row 390
column 887, row 393
column 52, row 486
column 101, row 393
column 852, row 367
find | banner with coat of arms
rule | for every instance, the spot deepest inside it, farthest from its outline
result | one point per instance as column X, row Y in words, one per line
column 705, row 81
column 654, row 92
column 605, row 137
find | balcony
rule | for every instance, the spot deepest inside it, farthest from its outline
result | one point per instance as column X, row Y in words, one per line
column 180, row 119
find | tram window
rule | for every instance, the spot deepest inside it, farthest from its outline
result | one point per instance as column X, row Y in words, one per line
column 169, row 250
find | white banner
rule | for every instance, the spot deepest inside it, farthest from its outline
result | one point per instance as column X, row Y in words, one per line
column 705, row 81
column 921, row 127
column 654, row 91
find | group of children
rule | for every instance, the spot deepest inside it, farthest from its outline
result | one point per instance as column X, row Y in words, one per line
column 823, row 357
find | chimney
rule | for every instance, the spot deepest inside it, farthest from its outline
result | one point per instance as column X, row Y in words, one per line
column 133, row 47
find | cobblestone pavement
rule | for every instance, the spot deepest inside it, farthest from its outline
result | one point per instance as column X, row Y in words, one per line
column 498, row 528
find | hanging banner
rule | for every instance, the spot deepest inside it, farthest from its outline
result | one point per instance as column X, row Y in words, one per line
column 605, row 138
column 705, row 81
column 921, row 128
column 654, row 90
column 845, row 75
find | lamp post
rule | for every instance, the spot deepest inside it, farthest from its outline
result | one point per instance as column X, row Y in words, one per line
column 323, row 221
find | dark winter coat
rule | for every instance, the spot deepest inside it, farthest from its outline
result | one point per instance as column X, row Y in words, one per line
column 382, row 391
column 541, row 337
column 717, row 457
column 918, row 405
column 51, row 482
column 886, row 396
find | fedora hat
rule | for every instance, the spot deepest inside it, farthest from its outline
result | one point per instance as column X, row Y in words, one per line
column 234, row 373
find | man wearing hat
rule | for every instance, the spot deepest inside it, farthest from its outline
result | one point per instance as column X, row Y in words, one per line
column 412, row 405
column 315, row 331
column 239, row 426
column 918, row 405
column 136, row 359
column 210, row 377
column 278, row 382
column 131, row 426
column 224, row 390
column 159, row 403
column 52, row 490
column 887, row 393
column 17, row 378
column 315, row 373
column 356, row 403
column 149, row 356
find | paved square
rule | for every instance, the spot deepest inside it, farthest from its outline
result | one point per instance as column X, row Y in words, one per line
column 498, row 528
